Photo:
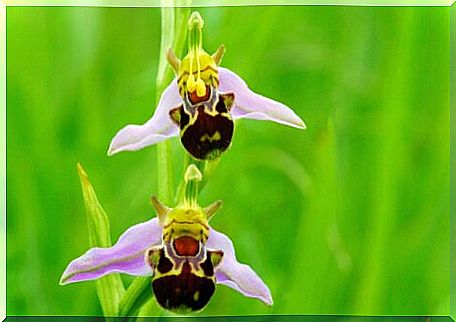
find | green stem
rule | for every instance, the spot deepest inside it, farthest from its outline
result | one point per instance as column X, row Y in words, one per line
column 180, row 190
column 174, row 22
column 137, row 294
column 164, row 75
column 165, row 172
column 174, row 33
column 209, row 169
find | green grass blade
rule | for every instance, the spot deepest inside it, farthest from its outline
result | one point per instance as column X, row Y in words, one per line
column 109, row 288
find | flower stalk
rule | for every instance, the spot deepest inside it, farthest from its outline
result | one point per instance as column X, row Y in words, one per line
column 137, row 294
column 173, row 35
column 164, row 75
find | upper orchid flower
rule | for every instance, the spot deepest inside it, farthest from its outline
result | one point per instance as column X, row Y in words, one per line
column 202, row 102
column 182, row 253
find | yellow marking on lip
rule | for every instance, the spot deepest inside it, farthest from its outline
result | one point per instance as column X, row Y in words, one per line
column 215, row 137
column 191, row 120
column 196, row 296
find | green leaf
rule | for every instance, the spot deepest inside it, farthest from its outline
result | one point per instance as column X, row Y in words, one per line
column 110, row 288
column 138, row 293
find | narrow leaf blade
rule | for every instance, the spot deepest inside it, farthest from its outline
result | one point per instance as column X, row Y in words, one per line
column 110, row 288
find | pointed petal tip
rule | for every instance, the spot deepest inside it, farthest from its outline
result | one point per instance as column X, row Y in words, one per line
column 295, row 122
column 67, row 278
column 238, row 276
column 134, row 137
column 301, row 125
column 158, row 128
column 248, row 104
column 62, row 280
column 126, row 256
column 265, row 296
column 111, row 151
column 268, row 300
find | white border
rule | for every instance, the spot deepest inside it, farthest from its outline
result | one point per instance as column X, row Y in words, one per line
column 3, row 162
column 129, row 3
column 217, row 3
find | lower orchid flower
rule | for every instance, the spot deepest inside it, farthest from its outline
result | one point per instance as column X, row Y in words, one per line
column 185, row 257
column 201, row 104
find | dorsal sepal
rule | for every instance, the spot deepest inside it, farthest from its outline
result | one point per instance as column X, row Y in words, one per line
column 218, row 55
column 162, row 210
column 212, row 209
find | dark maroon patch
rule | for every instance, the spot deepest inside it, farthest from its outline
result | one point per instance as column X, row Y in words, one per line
column 186, row 246
column 225, row 102
column 184, row 291
column 199, row 138
column 207, row 266
column 164, row 264
column 209, row 135
column 184, row 118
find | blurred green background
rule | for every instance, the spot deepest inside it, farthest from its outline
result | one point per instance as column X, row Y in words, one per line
column 350, row 216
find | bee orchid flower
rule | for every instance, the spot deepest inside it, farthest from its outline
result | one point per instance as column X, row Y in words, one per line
column 130, row 256
column 185, row 257
column 201, row 104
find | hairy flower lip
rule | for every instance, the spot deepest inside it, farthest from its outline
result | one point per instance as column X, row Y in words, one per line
column 128, row 256
column 247, row 104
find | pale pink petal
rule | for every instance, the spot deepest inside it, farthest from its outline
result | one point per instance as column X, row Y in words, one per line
column 126, row 256
column 238, row 276
column 159, row 128
column 248, row 104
